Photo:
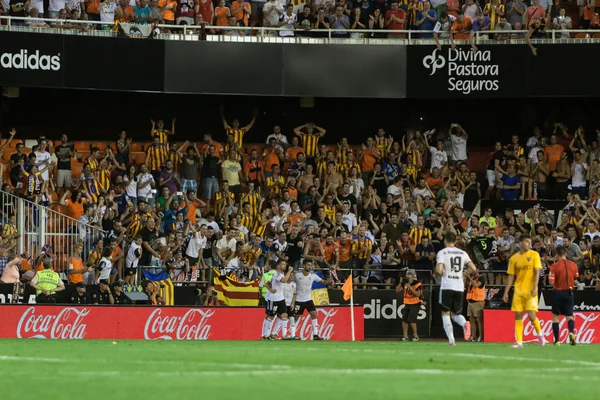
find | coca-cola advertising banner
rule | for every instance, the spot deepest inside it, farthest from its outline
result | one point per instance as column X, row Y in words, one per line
column 499, row 327
column 166, row 323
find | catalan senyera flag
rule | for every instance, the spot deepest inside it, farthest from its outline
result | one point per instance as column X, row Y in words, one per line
column 168, row 291
column 237, row 294
column 347, row 288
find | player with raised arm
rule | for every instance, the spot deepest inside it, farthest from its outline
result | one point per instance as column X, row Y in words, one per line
column 304, row 282
column 276, row 303
column 451, row 264
column 524, row 271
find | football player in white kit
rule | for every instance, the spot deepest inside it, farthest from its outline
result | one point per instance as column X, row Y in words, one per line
column 303, row 301
column 451, row 264
column 276, row 301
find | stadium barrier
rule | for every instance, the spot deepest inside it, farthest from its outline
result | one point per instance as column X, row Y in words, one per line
column 164, row 323
column 498, row 327
column 422, row 71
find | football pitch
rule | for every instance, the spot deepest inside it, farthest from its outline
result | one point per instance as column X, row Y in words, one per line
column 93, row 369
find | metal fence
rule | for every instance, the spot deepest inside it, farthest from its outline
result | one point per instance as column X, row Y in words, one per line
column 271, row 35
column 29, row 226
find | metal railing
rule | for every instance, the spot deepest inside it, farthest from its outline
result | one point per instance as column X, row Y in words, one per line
column 271, row 35
column 36, row 226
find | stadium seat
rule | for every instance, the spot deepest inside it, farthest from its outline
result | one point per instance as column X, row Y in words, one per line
column 76, row 170
column 582, row 35
column 13, row 143
column 596, row 36
column 135, row 146
column 84, row 154
column 82, row 146
column 101, row 145
column 256, row 147
column 137, row 157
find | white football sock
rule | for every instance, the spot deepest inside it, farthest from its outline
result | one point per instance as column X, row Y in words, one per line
column 284, row 328
column 268, row 326
column 447, row 323
column 293, row 322
column 264, row 327
column 277, row 326
column 460, row 320
column 315, row 328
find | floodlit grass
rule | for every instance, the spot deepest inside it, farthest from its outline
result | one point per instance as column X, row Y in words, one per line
column 90, row 370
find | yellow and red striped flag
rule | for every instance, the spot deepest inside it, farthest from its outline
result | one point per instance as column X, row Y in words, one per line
column 237, row 294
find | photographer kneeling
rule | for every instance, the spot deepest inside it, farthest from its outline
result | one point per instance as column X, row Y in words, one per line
column 152, row 290
column 210, row 298
column 413, row 290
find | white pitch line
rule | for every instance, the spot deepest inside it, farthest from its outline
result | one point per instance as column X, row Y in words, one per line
column 450, row 354
column 143, row 362
column 34, row 359
column 511, row 358
column 480, row 372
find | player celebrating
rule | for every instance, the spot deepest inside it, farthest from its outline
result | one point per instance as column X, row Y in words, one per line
column 524, row 271
column 276, row 302
column 303, row 301
column 562, row 274
column 451, row 263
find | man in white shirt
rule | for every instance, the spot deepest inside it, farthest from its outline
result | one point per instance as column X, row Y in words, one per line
column 579, row 175
column 439, row 157
column 537, row 146
column 54, row 7
column 459, row 138
column 280, row 139
column 197, row 244
column 287, row 21
column 42, row 159
column 145, row 185
column 272, row 10
column 276, row 303
column 304, row 281
column 348, row 218
column 225, row 247
column 441, row 30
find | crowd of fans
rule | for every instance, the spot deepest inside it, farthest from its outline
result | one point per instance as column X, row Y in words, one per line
column 373, row 211
column 447, row 18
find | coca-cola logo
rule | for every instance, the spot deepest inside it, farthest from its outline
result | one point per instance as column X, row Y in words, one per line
column 67, row 324
column 326, row 327
column 584, row 333
column 193, row 325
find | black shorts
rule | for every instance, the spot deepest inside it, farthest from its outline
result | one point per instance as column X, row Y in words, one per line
column 130, row 271
column 451, row 300
column 304, row 305
column 290, row 311
column 276, row 307
column 562, row 303
column 410, row 313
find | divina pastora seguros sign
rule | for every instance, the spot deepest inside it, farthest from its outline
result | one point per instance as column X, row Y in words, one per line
column 462, row 72
column 467, row 71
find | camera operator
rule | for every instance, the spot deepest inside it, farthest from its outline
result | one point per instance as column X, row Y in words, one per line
column 120, row 297
column 210, row 298
column 152, row 291
column 413, row 290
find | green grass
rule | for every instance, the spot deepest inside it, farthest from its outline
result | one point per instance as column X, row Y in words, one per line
column 90, row 370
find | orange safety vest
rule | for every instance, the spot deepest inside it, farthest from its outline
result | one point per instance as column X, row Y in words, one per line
column 409, row 298
column 476, row 294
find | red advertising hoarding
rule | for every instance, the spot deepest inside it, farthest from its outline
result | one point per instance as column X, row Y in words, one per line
column 165, row 323
column 498, row 326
